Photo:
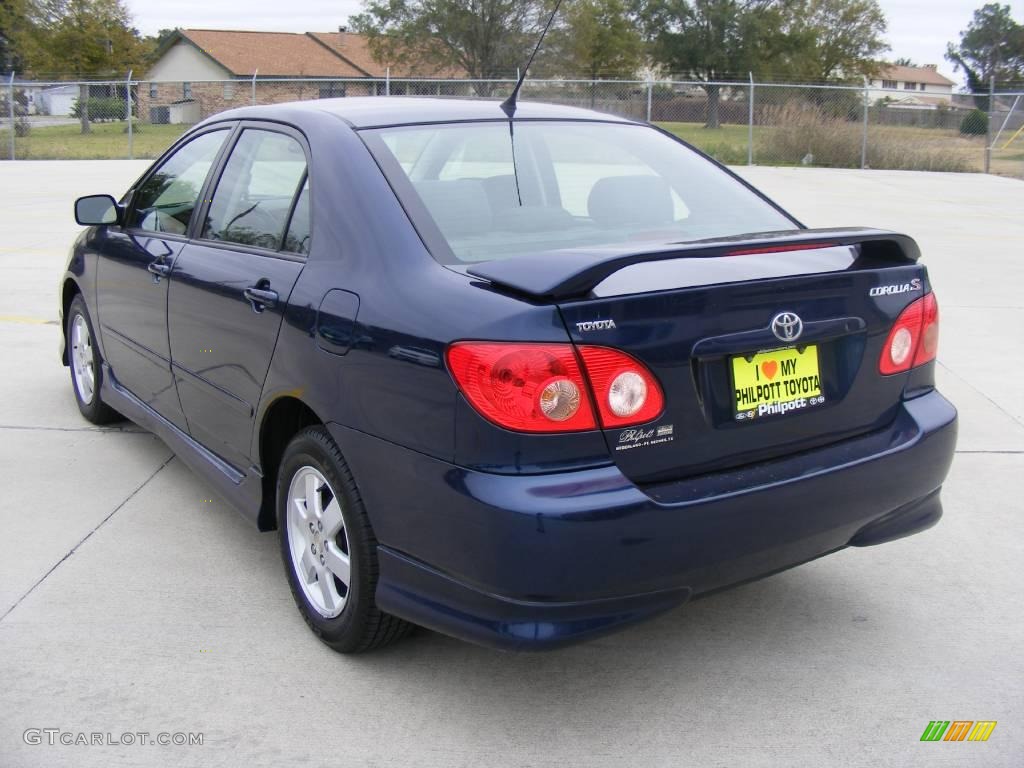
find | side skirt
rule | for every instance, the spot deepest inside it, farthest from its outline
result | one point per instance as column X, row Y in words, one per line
column 244, row 492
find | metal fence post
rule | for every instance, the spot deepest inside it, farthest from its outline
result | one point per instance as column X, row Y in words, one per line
column 864, row 135
column 387, row 81
column 254, row 86
column 988, row 127
column 10, row 108
column 750, row 121
column 128, row 113
column 650, row 93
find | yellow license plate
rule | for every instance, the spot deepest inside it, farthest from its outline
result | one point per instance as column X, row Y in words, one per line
column 776, row 382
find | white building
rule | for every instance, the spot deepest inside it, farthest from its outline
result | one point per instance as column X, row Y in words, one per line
column 912, row 87
column 58, row 100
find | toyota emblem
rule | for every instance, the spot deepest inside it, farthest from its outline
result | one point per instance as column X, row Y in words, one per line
column 787, row 326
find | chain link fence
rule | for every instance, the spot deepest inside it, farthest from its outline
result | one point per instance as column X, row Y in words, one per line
column 734, row 122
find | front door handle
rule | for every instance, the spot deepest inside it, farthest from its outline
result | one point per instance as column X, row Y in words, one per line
column 260, row 298
column 159, row 269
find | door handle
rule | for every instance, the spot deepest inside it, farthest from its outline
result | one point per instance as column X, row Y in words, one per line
column 260, row 298
column 159, row 269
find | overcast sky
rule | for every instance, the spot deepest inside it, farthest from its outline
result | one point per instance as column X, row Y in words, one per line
column 918, row 29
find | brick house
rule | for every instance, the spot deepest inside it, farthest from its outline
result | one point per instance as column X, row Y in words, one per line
column 200, row 72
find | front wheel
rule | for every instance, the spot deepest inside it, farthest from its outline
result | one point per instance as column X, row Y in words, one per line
column 86, row 371
column 328, row 547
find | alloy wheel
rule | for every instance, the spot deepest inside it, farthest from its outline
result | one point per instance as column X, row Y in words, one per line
column 318, row 542
column 82, row 359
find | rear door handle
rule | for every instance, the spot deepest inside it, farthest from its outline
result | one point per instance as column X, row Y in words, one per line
column 260, row 298
column 159, row 269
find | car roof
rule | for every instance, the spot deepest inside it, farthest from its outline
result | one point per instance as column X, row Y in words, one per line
column 377, row 111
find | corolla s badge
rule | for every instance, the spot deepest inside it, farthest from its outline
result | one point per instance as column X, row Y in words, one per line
column 787, row 326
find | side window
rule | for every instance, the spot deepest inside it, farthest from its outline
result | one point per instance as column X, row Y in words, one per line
column 165, row 201
column 256, row 189
column 297, row 239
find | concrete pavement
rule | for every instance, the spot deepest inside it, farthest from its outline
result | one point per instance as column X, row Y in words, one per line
column 133, row 600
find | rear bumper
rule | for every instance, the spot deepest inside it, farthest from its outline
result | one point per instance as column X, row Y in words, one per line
column 538, row 561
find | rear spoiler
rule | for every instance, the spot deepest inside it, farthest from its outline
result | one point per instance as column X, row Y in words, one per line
column 574, row 273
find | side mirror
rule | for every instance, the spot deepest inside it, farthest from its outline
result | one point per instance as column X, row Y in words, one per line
column 97, row 209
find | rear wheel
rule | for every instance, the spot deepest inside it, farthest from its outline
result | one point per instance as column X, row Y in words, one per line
column 86, row 371
column 328, row 547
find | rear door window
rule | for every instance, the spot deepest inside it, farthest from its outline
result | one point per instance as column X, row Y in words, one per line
column 253, row 202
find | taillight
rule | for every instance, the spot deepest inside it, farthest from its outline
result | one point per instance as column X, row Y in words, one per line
column 542, row 387
column 524, row 387
column 914, row 338
column 626, row 392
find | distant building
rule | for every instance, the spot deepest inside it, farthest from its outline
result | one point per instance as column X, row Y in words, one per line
column 912, row 87
column 58, row 100
column 199, row 72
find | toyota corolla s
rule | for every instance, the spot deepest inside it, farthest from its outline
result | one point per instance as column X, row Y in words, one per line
column 519, row 380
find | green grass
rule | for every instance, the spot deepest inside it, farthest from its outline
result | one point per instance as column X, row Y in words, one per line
column 727, row 144
column 105, row 141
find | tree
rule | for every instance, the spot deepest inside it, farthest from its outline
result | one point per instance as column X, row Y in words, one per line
column 713, row 40
column 904, row 61
column 486, row 39
column 153, row 43
column 992, row 47
column 597, row 38
column 837, row 39
column 81, row 38
column 716, row 40
column 12, row 22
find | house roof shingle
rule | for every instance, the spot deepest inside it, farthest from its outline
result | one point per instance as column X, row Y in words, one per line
column 356, row 49
column 296, row 54
column 927, row 75
column 273, row 54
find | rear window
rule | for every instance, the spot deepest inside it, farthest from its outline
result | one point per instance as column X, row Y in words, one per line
column 477, row 193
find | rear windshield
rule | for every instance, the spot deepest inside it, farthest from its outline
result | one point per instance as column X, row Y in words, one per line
column 477, row 193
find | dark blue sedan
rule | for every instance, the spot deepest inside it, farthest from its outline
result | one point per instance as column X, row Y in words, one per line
column 519, row 380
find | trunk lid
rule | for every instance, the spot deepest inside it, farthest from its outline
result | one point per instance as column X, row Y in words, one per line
column 687, row 319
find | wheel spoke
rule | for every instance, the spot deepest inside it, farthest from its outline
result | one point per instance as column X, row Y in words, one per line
column 308, row 566
column 327, row 590
column 299, row 505
column 313, row 495
column 338, row 563
column 333, row 521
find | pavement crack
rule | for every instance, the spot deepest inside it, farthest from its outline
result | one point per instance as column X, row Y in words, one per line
column 85, row 538
column 128, row 430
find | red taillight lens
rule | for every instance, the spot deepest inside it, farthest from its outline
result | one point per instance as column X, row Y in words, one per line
column 542, row 388
column 626, row 392
column 914, row 338
column 524, row 387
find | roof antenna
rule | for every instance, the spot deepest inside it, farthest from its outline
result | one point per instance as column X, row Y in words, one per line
column 508, row 106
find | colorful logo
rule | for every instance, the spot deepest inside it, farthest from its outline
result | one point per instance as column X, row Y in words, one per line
column 958, row 730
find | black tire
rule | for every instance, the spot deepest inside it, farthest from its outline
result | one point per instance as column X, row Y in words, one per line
column 360, row 626
column 92, row 407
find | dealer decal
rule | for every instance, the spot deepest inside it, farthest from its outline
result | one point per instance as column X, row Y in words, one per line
column 642, row 437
